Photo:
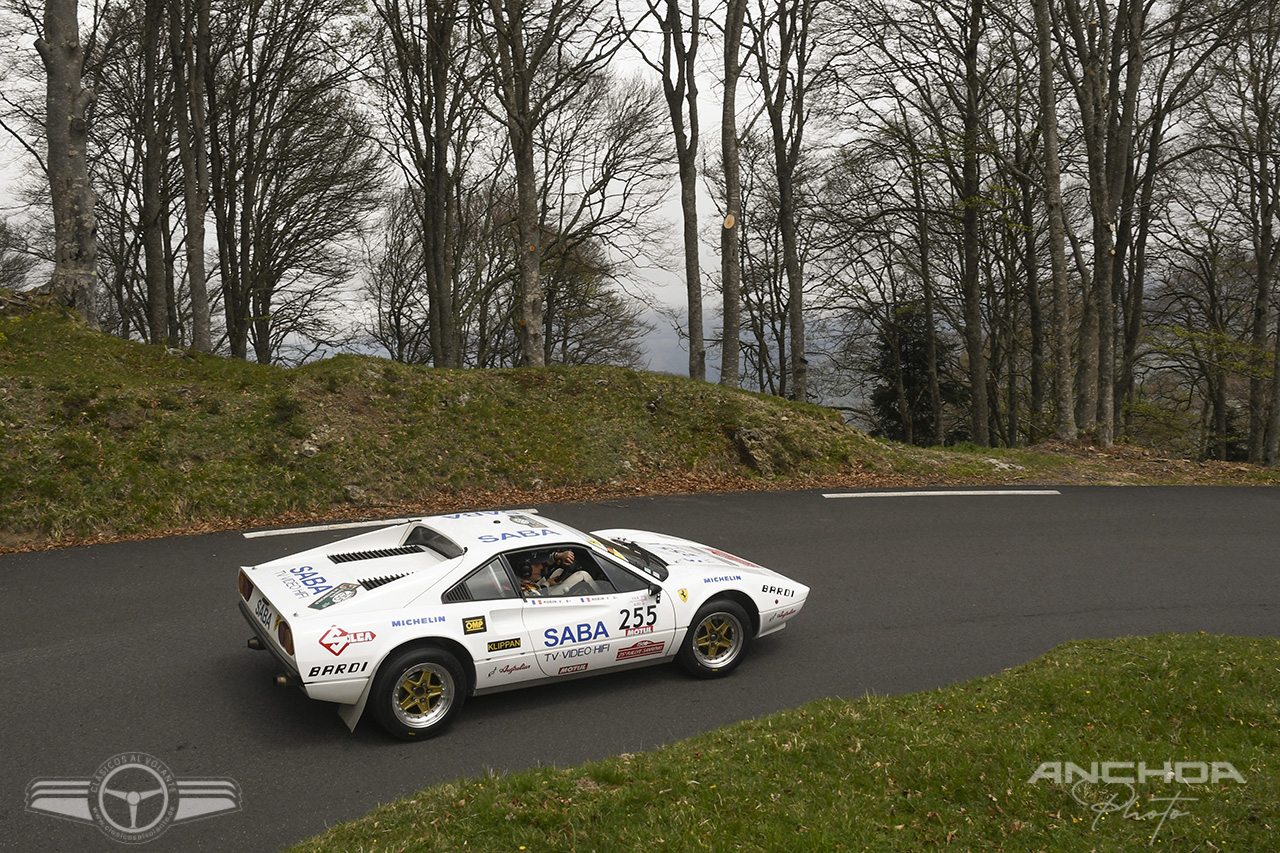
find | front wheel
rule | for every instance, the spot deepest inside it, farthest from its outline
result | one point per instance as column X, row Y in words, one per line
column 716, row 640
column 418, row 692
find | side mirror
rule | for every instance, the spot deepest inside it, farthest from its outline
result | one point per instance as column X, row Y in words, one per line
column 656, row 592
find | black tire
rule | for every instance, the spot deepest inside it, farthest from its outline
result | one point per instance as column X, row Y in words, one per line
column 716, row 640
column 418, row 692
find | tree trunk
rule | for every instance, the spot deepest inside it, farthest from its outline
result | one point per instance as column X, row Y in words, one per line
column 971, row 284
column 529, row 268
column 730, row 234
column 155, row 152
column 1273, row 419
column 679, row 83
column 75, row 226
column 189, row 52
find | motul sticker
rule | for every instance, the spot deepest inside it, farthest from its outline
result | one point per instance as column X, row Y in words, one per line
column 336, row 640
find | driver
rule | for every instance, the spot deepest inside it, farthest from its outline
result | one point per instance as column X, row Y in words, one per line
column 549, row 572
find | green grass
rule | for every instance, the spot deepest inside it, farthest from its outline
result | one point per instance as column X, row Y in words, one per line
column 102, row 438
column 948, row 768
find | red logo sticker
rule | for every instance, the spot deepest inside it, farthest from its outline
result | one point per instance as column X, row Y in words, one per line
column 642, row 649
column 336, row 640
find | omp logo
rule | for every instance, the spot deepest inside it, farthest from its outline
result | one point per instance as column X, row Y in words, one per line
column 336, row 640
column 473, row 625
column 503, row 645
column 132, row 797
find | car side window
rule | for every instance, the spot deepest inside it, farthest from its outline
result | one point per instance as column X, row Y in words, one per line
column 622, row 580
column 490, row 581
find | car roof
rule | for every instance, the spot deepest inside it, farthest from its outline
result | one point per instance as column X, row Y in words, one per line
column 500, row 530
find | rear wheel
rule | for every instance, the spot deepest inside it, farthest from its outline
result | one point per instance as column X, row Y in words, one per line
column 716, row 640
column 418, row 693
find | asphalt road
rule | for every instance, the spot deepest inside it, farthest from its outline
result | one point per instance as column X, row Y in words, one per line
column 138, row 647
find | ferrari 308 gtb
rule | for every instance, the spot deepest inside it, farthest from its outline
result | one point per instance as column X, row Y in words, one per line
column 409, row 620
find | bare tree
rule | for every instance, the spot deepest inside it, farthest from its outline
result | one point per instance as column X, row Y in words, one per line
column 681, row 37
column 1239, row 120
column 155, row 127
column 393, row 273
column 540, row 58
column 16, row 260
column 1064, row 405
column 294, row 170
column 427, row 75
column 786, row 43
column 189, row 59
column 730, row 234
column 67, row 133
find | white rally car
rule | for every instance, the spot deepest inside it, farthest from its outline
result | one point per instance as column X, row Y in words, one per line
column 410, row 619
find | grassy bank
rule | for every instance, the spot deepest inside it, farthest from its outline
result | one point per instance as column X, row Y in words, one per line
column 104, row 438
column 950, row 768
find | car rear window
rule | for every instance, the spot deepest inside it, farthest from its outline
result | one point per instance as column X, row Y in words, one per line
column 435, row 540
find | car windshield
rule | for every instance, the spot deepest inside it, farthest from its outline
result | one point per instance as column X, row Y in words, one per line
column 639, row 557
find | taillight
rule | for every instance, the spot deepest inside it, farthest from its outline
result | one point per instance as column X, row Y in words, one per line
column 246, row 586
column 285, row 635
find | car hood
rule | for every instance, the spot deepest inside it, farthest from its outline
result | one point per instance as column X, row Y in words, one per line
column 687, row 554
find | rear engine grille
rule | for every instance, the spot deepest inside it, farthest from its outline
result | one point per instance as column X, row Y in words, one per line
column 372, row 583
column 352, row 556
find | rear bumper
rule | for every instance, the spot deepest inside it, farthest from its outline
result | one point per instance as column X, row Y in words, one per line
column 266, row 639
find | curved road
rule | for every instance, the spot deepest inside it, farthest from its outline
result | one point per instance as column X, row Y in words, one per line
column 137, row 647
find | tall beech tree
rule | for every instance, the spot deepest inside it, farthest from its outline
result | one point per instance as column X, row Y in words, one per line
column 67, row 102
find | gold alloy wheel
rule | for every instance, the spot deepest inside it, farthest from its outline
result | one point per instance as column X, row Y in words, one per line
column 423, row 695
column 718, row 639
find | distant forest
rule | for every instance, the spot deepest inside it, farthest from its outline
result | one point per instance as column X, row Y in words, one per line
column 986, row 221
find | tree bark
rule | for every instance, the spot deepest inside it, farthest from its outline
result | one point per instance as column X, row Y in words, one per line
column 1064, row 404
column 155, row 151
column 971, row 198
column 75, row 224
column 730, row 233
column 189, row 53
column 679, row 86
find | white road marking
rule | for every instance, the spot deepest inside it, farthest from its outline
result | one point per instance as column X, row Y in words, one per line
column 286, row 531
column 318, row 528
column 943, row 494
